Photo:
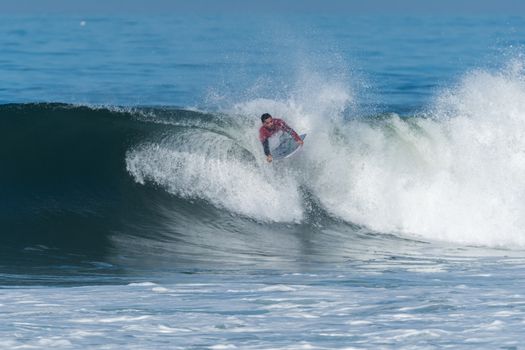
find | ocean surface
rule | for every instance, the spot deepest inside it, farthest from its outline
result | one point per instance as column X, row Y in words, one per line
column 137, row 209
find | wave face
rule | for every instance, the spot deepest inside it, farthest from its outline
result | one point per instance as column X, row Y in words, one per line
column 63, row 180
column 102, row 175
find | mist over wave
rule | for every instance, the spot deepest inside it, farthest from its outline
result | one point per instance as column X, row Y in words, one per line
column 453, row 173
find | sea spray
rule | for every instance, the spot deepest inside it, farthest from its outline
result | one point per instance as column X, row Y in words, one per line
column 454, row 173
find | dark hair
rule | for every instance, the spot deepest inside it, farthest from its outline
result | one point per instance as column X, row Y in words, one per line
column 265, row 116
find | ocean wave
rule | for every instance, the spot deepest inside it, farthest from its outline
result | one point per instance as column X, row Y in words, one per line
column 452, row 173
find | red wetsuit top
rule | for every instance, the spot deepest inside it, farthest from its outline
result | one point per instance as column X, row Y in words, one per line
column 278, row 124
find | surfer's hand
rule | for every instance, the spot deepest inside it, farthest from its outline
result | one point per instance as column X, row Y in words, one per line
column 301, row 142
column 269, row 158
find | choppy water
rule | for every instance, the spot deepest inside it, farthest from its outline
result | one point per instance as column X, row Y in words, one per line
column 138, row 210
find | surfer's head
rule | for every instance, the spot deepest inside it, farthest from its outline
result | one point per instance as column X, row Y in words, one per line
column 267, row 120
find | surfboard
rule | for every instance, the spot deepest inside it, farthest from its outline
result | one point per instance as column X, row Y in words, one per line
column 287, row 147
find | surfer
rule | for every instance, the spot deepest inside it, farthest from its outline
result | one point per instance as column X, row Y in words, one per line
column 270, row 127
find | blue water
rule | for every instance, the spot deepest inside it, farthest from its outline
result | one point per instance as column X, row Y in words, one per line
column 179, row 60
column 137, row 209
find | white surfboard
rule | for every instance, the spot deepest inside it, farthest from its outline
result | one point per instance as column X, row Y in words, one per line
column 287, row 148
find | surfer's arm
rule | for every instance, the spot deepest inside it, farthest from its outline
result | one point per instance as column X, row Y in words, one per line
column 266, row 147
column 263, row 137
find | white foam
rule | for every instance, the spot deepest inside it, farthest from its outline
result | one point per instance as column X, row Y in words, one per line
column 427, row 269
column 359, row 323
column 456, row 177
column 142, row 284
column 223, row 346
column 278, row 288
column 419, row 333
column 454, row 174
column 167, row 329
column 111, row 319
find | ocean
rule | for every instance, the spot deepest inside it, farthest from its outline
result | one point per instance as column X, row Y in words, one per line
column 138, row 210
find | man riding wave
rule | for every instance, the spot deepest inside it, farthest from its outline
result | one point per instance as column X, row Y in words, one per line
column 269, row 128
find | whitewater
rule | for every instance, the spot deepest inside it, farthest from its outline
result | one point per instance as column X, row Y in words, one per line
column 452, row 173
